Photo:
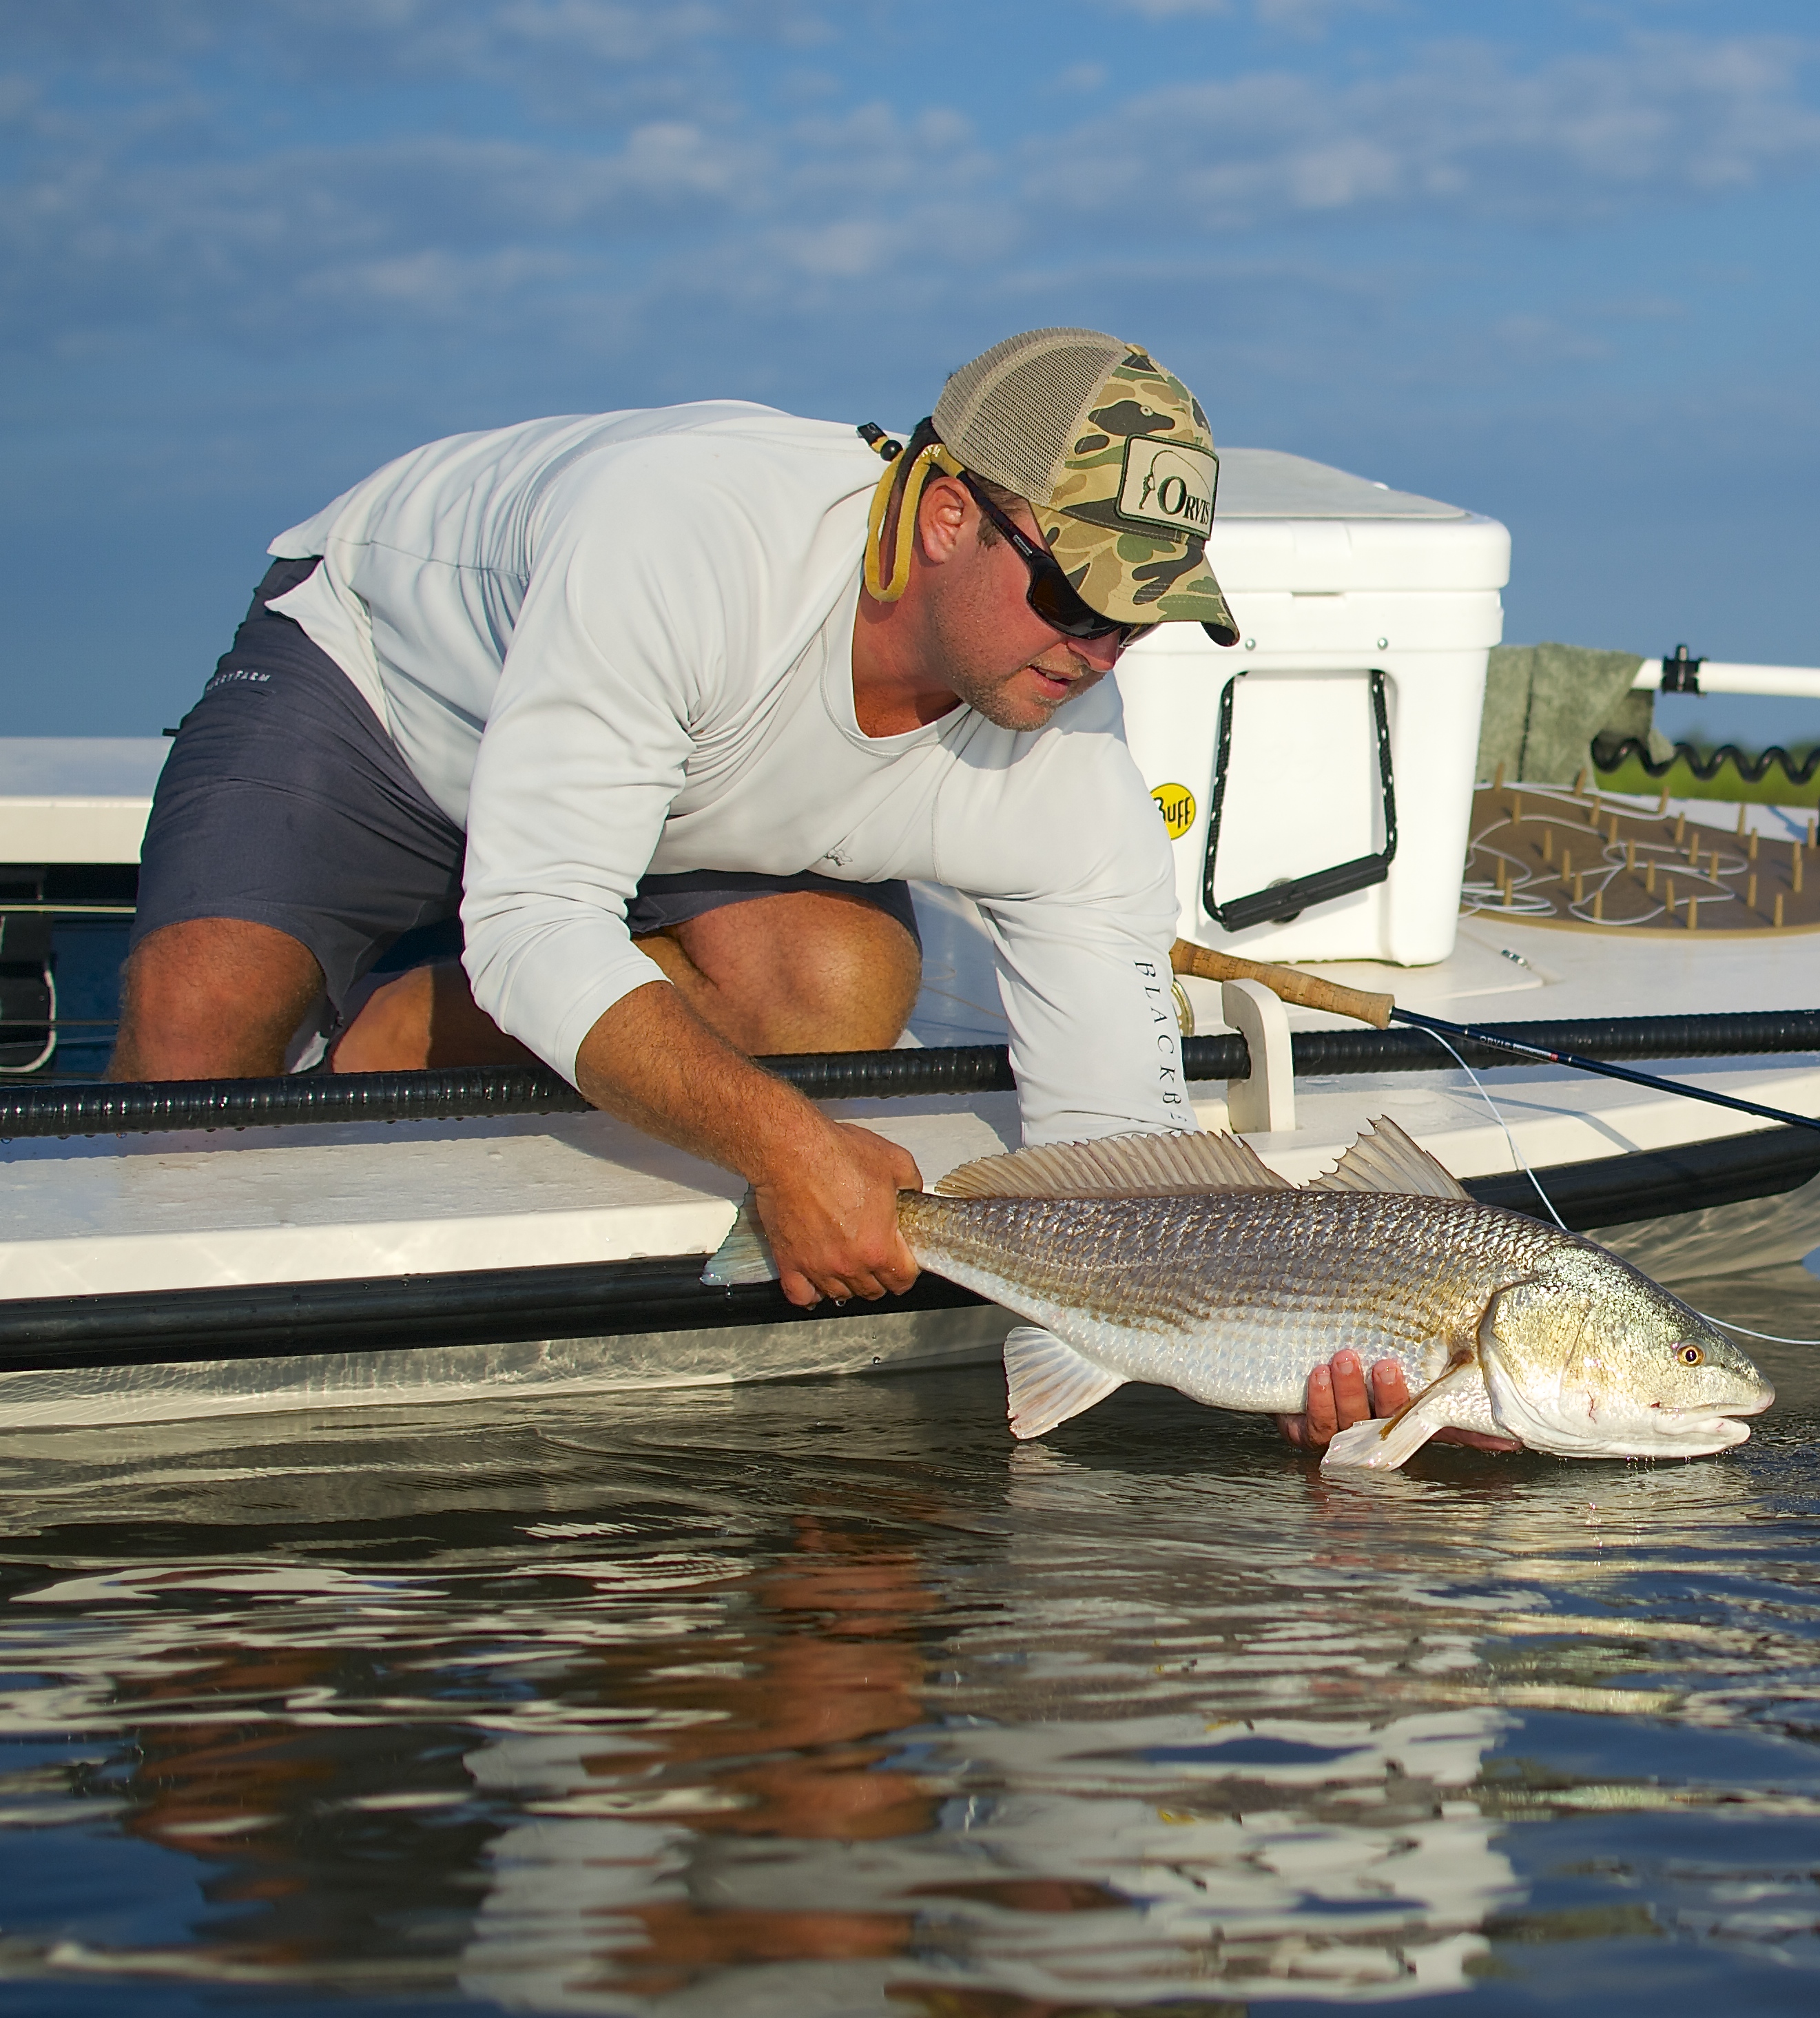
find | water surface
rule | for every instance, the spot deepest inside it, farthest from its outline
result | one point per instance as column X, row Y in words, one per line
column 826, row 1698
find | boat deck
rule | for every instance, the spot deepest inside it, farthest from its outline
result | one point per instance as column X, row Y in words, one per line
column 105, row 1216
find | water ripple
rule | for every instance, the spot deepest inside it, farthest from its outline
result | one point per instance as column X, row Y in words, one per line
column 827, row 1699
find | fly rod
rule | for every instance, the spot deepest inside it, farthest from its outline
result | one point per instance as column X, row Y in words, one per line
column 1310, row 991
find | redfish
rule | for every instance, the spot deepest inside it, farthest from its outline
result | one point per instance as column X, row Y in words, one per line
column 1184, row 1261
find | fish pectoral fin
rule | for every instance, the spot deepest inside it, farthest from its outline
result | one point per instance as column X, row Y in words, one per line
column 1385, row 1159
column 745, row 1255
column 1156, row 1164
column 1455, row 1401
column 1046, row 1381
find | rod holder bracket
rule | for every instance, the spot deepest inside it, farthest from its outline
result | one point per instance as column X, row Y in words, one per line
column 1682, row 673
column 1264, row 1104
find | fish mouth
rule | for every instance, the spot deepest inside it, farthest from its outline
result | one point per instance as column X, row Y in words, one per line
column 1699, row 1418
column 1707, row 1433
column 1697, row 1432
column 1689, row 1435
column 1659, row 1433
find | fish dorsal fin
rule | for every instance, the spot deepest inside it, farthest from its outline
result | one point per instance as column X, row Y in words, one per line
column 1387, row 1160
column 1135, row 1166
column 1046, row 1382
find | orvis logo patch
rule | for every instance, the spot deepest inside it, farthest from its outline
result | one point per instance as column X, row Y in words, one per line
column 1169, row 484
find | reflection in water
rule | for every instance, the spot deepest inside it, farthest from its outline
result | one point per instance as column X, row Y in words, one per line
column 827, row 1700
column 655, row 1867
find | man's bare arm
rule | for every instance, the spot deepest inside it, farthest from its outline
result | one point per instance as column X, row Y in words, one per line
column 825, row 1191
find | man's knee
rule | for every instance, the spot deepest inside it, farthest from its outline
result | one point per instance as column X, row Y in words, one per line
column 864, row 969
column 802, row 972
column 426, row 1017
column 211, row 998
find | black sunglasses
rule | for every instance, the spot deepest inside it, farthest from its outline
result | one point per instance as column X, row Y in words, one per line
column 1050, row 594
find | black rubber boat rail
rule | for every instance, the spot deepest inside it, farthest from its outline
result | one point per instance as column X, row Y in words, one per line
column 508, row 1306
column 476, row 1092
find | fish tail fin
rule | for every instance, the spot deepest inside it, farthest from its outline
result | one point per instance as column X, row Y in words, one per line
column 745, row 1255
column 1046, row 1381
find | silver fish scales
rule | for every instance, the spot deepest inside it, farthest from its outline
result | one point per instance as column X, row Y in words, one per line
column 1234, row 1298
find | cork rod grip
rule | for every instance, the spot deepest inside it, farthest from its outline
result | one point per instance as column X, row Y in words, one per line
column 1306, row 991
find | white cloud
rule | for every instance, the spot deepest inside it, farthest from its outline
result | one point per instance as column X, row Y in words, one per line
column 413, row 227
column 1314, row 17
column 1170, row 10
column 1461, row 129
column 369, row 40
column 1541, row 339
column 164, row 206
column 1305, row 18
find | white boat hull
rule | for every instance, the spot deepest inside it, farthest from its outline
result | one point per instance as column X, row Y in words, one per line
column 883, row 1342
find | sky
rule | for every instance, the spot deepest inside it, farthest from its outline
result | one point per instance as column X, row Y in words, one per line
column 1554, row 260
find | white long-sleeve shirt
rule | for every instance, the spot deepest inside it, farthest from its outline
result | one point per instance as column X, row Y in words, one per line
column 621, row 642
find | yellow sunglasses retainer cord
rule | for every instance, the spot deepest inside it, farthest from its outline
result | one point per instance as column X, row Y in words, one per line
column 933, row 457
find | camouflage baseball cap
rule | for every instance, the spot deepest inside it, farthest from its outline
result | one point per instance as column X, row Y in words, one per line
column 1116, row 457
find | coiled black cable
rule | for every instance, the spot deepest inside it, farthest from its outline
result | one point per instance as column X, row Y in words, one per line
column 1608, row 756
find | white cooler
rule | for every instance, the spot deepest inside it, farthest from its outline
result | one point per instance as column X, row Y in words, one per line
column 1317, row 777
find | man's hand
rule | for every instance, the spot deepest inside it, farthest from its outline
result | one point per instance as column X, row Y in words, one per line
column 1338, row 1398
column 826, row 1191
column 831, row 1212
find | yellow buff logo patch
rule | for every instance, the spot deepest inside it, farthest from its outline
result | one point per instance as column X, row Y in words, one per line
column 1177, row 803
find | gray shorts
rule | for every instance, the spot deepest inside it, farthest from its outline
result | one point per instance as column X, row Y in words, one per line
column 284, row 802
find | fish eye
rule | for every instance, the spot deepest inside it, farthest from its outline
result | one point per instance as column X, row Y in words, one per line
column 1689, row 1355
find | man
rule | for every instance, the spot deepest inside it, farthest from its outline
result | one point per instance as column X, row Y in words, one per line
column 713, row 676
column 669, row 706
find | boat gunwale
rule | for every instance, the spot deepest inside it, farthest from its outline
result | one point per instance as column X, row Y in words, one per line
column 665, row 1293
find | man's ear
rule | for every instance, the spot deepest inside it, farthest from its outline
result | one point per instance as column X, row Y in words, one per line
column 943, row 512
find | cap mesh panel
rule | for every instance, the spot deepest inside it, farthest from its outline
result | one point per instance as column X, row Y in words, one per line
column 1009, row 413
